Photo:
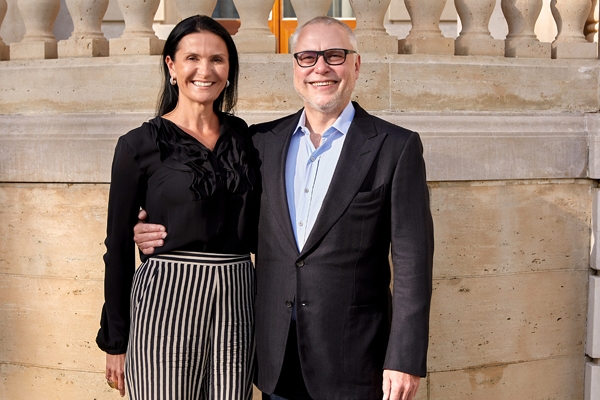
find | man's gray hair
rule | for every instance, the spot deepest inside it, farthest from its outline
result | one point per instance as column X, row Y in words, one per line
column 325, row 20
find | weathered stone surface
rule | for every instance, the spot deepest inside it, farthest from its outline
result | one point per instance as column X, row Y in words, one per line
column 510, row 318
column 387, row 83
column 457, row 146
column 554, row 378
column 491, row 228
column 51, row 322
column 487, row 84
column 54, row 231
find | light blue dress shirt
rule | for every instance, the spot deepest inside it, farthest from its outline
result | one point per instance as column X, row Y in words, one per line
column 308, row 171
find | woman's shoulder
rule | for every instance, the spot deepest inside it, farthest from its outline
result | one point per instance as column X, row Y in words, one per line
column 142, row 138
column 236, row 124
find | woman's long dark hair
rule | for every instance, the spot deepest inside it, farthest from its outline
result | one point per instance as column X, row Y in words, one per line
column 169, row 94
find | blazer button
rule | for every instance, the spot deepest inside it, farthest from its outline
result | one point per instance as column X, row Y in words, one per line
column 289, row 304
column 300, row 263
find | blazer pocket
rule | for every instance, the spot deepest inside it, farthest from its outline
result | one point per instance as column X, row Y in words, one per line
column 365, row 342
column 367, row 197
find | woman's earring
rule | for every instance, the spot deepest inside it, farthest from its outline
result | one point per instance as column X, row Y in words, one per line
column 173, row 81
column 227, row 84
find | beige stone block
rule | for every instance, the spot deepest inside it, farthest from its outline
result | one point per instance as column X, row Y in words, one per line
column 255, row 44
column 592, row 342
column 266, row 83
column 507, row 318
column 121, row 84
column 486, row 229
column 83, row 47
column 466, row 46
column 136, row 46
column 4, row 51
column 51, row 322
column 581, row 49
column 27, row 382
column 523, row 48
column 440, row 46
column 54, row 231
column 377, row 44
column 33, row 50
column 555, row 378
column 592, row 381
column 372, row 87
column 436, row 83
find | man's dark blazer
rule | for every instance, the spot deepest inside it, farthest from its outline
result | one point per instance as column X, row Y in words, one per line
column 349, row 327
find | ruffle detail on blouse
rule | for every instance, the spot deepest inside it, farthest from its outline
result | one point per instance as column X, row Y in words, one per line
column 233, row 171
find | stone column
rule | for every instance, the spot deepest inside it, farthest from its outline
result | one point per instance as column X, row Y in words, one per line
column 475, row 38
column 591, row 25
column 570, row 16
column 306, row 10
column 39, row 41
column 187, row 8
column 254, row 35
column 371, row 36
column 425, row 36
column 4, row 49
column 521, row 41
column 138, row 36
column 87, row 39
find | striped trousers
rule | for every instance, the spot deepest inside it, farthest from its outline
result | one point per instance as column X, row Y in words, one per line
column 192, row 328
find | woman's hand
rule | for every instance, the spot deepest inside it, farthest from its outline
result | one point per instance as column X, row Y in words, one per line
column 115, row 371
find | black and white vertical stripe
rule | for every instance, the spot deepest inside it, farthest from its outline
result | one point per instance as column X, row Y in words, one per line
column 192, row 328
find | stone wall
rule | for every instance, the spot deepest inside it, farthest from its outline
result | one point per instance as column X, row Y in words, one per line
column 510, row 151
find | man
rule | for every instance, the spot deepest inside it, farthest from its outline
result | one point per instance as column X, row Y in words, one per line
column 339, row 186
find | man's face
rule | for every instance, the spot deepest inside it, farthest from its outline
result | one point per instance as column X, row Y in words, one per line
column 325, row 88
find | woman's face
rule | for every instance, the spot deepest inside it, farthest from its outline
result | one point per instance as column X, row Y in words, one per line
column 201, row 67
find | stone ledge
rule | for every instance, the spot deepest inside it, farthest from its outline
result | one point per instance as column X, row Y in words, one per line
column 457, row 146
column 387, row 82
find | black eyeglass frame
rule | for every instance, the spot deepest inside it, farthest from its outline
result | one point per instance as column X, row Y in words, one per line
column 322, row 53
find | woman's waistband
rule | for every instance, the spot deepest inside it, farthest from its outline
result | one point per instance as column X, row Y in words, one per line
column 200, row 257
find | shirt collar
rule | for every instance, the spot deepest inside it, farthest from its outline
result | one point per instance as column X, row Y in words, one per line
column 341, row 124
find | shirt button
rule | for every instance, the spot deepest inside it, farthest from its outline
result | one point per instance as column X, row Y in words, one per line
column 306, row 190
column 312, row 159
column 300, row 264
column 289, row 304
column 301, row 223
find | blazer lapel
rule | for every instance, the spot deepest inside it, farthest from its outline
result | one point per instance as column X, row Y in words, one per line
column 277, row 142
column 360, row 148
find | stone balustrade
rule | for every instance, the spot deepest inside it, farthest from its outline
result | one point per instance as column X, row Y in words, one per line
column 576, row 20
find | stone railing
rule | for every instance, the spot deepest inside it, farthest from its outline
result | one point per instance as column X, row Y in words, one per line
column 576, row 20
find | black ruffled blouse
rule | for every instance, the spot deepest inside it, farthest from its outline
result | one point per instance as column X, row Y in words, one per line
column 207, row 200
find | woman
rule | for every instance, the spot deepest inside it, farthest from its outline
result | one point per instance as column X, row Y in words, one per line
column 181, row 325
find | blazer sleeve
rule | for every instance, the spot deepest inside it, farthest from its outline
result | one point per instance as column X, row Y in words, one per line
column 412, row 259
column 124, row 202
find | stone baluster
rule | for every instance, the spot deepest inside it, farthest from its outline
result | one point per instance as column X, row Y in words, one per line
column 138, row 36
column 254, row 35
column 521, row 41
column 425, row 36
column 87, row 39
column 187, row 8
column 591, row 25
column 38, row 41
column 475, row 38
column 570, row 16
column 4, row 49
column 308, row 9
column 371, row 36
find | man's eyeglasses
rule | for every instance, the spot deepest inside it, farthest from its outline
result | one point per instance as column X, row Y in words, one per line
column 309, row 58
